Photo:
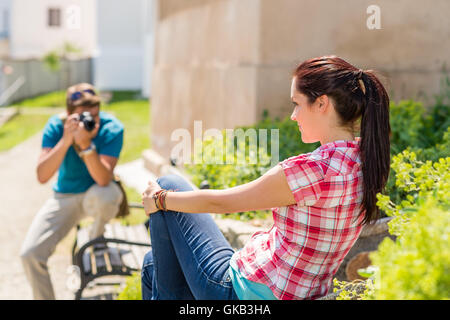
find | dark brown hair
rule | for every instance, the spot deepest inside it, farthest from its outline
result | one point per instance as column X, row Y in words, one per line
column 357, row 94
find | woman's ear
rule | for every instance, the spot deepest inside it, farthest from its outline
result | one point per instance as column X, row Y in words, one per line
column 323, row 103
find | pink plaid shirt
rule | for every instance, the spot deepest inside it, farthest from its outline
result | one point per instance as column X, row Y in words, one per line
column 298, row 257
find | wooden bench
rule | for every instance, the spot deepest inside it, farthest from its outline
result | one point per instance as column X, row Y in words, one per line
column 120, row 251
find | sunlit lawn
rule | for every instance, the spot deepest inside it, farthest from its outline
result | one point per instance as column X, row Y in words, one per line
column 20, row 128
column 52, row 99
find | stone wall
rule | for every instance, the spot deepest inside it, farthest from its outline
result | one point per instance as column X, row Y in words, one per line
column 205, row 67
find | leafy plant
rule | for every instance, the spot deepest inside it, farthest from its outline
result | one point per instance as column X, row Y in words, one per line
column 53, row 58
column 52, row 61
column 354, row 290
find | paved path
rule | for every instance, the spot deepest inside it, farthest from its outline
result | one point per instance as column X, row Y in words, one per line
column 21, row 196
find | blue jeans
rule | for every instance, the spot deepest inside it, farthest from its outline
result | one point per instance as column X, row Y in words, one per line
column 190, row 257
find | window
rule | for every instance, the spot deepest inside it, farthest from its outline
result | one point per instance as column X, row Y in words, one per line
column 54, row 17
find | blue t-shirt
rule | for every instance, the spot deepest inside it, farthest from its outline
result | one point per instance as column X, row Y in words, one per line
column 73, row 175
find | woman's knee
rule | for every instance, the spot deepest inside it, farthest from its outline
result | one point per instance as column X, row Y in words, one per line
column 148, row 259
column 158, row 227
column 174, row 182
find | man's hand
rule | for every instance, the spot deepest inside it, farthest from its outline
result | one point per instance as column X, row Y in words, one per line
column 70, row 126
column 147, row 197
column 82, row 137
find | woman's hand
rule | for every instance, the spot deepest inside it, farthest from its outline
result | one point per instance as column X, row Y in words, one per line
column 147, row 197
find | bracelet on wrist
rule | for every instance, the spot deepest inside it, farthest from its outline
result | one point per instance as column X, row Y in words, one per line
column 88, row 150
column 160, row 199
column 155, row 198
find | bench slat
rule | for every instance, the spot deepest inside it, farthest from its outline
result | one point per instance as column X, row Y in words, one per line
column 94, row 262
column 143, row 235
column 116, row 250
column 135, row 234
column 127, row 253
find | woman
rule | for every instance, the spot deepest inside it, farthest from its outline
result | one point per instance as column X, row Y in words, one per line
column 321, row 200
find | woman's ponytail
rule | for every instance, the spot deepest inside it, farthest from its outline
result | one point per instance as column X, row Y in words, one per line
column 356, row 94
column 374, row 144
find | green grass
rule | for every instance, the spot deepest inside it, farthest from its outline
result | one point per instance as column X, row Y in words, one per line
column 53, row 99
column 19, row 129
column 135, row 115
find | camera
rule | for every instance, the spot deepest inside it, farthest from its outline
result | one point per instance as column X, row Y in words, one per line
column 88, row 120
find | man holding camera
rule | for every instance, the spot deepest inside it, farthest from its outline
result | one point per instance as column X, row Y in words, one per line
column 83, row 145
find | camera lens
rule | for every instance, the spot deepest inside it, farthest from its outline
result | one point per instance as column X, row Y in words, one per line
column 88, row 121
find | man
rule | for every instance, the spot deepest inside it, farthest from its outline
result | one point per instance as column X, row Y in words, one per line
column 85, row 161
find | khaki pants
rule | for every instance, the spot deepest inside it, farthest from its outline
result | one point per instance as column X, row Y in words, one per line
column 54, row 221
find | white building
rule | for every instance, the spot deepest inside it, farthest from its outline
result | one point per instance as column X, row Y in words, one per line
column 40, row 26
column 116, row 34
column 125, row 45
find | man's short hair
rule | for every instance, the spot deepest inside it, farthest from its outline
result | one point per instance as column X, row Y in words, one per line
column 82, row 94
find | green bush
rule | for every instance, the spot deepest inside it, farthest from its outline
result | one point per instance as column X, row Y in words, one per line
column 290, row 142
column 416, row 128
column 424, row 131
column 230, row 168
column 239, row 170
column 415, row 181
column 417, row 264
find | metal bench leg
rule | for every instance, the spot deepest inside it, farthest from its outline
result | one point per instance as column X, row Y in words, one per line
column 78, row 294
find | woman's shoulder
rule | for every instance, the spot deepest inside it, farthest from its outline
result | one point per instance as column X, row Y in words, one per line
column 330, row 160
column 306, row 164
column 309, row 158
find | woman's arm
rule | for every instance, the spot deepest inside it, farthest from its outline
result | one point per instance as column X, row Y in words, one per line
column 268, row 191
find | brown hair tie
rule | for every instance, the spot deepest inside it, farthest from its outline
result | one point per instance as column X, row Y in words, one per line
column 361, row 82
